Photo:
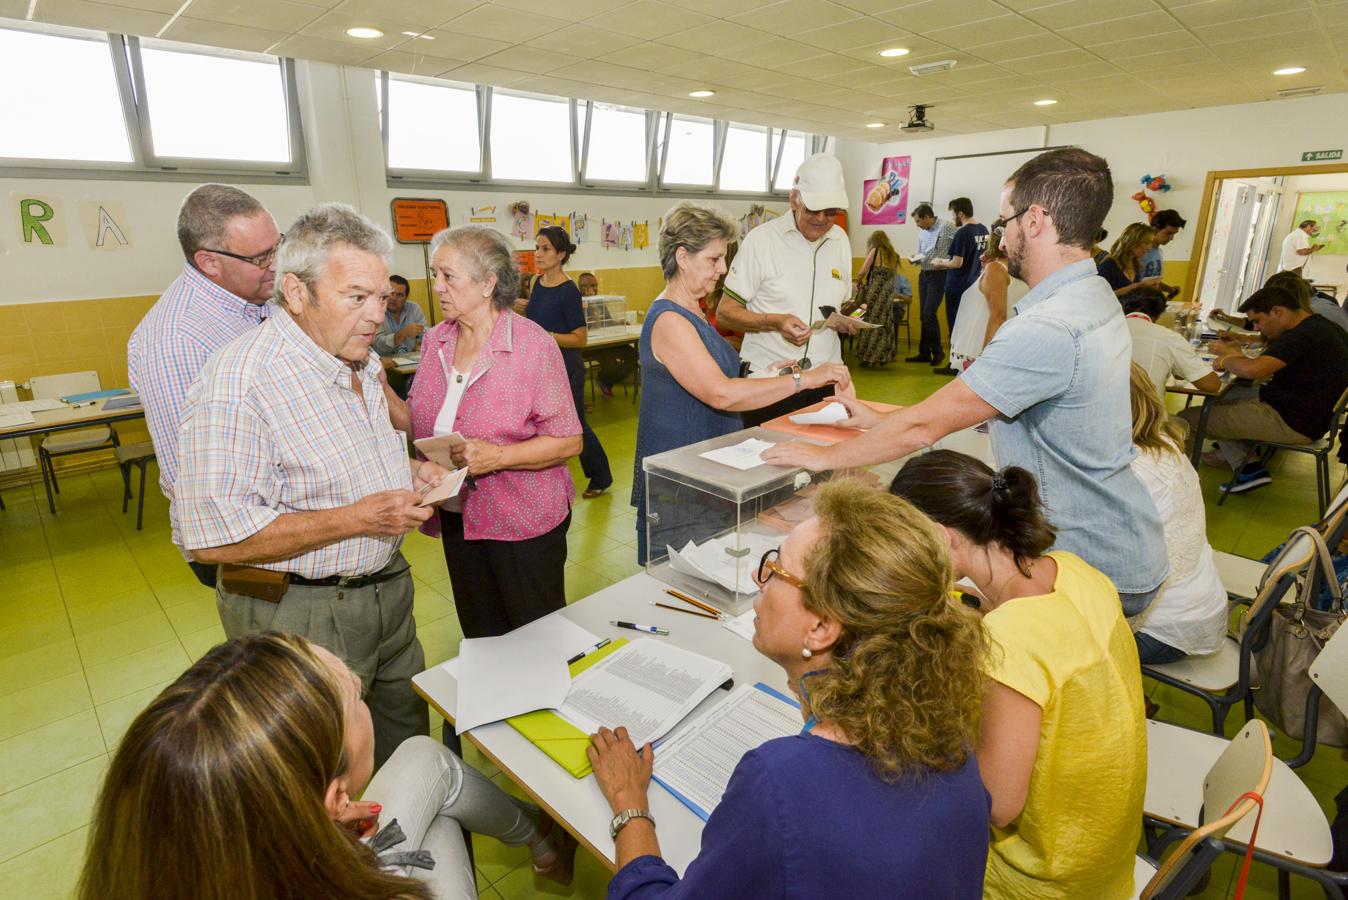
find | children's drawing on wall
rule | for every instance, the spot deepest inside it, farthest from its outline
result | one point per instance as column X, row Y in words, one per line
column 542, row 221
column 580, row 227
column 522, row 222
column 103, row 223
column 641, row 235
column 480, row 215
column 612, row 234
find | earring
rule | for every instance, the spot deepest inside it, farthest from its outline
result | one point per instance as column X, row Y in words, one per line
column 805, row 652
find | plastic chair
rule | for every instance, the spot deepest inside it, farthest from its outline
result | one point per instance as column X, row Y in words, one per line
column 1329, row 678
column 1222, row 679
column 901, row 307
column 1245, row 766
column 139, row 455
column 1319, row 449
column 66, row 443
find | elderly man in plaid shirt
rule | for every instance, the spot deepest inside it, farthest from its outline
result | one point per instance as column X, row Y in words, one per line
column 292, row 479
column 229, row 245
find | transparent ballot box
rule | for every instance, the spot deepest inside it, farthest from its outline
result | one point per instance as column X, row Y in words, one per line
column 604, row 312
column 708, row 523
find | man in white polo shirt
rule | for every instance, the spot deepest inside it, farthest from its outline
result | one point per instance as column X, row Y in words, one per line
column 1297, row 247
column 786, row 272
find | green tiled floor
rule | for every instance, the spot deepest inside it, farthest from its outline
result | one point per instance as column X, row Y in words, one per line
column 96, row 618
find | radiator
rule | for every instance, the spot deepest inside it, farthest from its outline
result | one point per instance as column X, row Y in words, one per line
column 16, row 453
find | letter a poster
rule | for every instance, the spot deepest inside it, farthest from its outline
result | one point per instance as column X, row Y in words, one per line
column 885, row 199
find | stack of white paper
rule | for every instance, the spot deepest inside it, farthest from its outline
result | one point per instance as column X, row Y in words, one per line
column 33, row 405
column 712, row 560
column 11, row 417
column 647, row 686
column 517, row 672
column 747, row 454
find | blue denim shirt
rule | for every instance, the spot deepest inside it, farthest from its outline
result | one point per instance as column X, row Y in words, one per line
column 1057, row 372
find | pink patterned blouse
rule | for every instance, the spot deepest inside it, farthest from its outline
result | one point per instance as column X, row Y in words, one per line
column 517, row 390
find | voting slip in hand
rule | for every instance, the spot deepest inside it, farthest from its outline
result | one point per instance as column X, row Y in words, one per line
column 831, row 413
column 440, row 449
column 448, row 486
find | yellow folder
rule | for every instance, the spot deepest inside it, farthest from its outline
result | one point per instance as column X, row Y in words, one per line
column 555, row 736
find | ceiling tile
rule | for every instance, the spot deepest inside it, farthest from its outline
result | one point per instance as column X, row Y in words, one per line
column 973, row 34
column 919, row 48
column 410, row 63
column 1142, row 46
column 275, row 15
column 432, row 12
column 854, row 33
column 583, row 41
column 1158, row 64
column 301, row 46
column 481, row 73
column 332, row 26
column 448, row 44
column 657, row 57
column 221, row 34
column 1146, row 25
column 648, row 20
column 788, row 17
column 574, row 10
column 721, row 8
column 1241, row 29
column 1301, row 46
column 1215, row 12
column 1048, row 62
column 922, row 18
column 1019, row 48
column 1066, row 74
column 528, row 59
column 100, row 17
column 504, row 24
column 717, row 37
column 1088, row 12
column 777, row 52
column 824, row 66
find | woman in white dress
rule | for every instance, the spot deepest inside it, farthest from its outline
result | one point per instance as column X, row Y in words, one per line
column 983, row 308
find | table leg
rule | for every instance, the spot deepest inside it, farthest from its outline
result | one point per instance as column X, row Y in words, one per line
column 1197, row 455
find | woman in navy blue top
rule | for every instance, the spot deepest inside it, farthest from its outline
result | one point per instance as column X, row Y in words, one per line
column 690, row 385
column 555, row 304
column 880, row 793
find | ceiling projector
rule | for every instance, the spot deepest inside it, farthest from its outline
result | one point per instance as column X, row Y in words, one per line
column 917, row 119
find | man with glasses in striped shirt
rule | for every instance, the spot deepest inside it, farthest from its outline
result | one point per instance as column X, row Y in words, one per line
column 229, row 246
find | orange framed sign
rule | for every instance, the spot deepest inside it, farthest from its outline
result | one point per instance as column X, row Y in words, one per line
column 415, row 221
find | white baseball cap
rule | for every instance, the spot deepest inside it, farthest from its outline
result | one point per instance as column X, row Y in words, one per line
column 820, row 183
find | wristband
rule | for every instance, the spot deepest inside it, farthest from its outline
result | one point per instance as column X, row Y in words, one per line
column 623, row 817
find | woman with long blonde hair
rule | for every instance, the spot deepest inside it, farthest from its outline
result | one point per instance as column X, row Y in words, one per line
column 874, row 289
column 1123, row 267
column 1189, row 615
column 879, row 792
column 238, row 783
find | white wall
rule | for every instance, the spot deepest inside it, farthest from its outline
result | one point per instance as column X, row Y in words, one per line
column 345, row 164
column 1182, row 145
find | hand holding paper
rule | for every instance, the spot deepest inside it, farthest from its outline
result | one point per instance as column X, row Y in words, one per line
column 831, row 414
column 440, row 449
column 437, row 492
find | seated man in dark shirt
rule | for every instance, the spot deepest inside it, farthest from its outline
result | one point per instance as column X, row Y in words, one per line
column 1306, row 365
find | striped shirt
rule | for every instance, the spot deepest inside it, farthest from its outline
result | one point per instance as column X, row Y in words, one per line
column 273, row 426
column 192, row 319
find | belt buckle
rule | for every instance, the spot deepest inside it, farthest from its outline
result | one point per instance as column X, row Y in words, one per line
column 345, row 581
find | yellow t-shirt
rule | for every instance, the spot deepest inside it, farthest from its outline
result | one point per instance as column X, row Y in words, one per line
column 1072, row 653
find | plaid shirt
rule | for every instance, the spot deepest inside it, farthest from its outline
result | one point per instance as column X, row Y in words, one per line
column 192, row 319
column 272, row 427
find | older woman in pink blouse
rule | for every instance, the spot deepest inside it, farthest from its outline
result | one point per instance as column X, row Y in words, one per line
column 498, row 380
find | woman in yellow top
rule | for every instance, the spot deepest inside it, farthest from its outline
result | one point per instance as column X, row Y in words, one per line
column 1063, row 748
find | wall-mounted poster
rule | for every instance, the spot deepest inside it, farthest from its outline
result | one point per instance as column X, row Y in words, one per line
column 885, row 199
column 1330, row 210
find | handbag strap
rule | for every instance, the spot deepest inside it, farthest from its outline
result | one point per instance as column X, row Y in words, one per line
column 1325, row 560
column 1249, row 846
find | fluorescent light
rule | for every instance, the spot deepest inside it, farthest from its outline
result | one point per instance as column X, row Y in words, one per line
column 364, row 33
column 875, row 124
column 1290, row 70
column 1045, row 102
column 701, row 93
column 894, row 51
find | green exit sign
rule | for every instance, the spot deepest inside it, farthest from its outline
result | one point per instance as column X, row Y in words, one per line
column 1321, row 155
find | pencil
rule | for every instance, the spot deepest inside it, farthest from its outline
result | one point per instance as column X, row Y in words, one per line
column 706, row 607
column 691, row 612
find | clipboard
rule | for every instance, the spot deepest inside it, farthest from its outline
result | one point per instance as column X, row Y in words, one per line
column 558, row 738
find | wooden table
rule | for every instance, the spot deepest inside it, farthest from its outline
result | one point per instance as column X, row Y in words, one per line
column 69, row 418
column 1209, row 398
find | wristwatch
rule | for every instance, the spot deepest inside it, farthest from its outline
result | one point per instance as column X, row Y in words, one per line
column 795, row 373
column 622, row 818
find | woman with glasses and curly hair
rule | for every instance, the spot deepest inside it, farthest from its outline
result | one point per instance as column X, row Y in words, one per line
column 238, row 783
column 880, row 788
column 1063, row 743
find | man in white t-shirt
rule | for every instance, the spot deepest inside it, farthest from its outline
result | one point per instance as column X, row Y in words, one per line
column 1159, row 350
column 785, row 274
column 1297, row 247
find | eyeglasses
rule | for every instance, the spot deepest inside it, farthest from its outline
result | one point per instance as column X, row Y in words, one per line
column 831, row 213
column 262, row 260
column 1000, row 224
column 767, row 567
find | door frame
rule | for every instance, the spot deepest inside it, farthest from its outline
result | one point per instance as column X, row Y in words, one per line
column 1198, row 259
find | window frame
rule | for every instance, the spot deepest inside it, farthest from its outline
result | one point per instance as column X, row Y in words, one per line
column 406, row 175
column 652, row 118
column 145, row 165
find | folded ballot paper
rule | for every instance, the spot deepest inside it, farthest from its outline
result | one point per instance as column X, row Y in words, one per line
column 728, row 560
column 829, row 414
column 747, row 454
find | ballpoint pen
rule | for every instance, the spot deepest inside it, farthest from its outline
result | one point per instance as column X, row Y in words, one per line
column 649, row 629
column 584, row 653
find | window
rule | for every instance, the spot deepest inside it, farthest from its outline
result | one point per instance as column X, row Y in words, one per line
column 793, row 154
column 530, row 138
column 432, row 127
column 244, row 117
column 688, row 154
column 744, row 162
column 60, row 99
column 617, row 149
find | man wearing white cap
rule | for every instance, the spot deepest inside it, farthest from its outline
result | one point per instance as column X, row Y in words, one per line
column 786, row 272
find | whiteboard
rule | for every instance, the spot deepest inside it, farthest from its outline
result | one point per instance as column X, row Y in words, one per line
column 979, row 177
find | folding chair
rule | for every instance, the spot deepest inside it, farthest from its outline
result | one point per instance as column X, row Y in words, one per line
column 1245, row 766
column 65, row 443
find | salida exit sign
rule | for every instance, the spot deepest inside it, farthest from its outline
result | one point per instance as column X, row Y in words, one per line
column 1321, row 155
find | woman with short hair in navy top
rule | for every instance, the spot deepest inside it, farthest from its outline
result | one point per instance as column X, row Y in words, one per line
column 880, row 793
column 555, row 304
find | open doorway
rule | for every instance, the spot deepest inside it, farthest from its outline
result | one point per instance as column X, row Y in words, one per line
column 1245, row 217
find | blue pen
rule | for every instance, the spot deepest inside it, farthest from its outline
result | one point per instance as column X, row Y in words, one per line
column 649, row 629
